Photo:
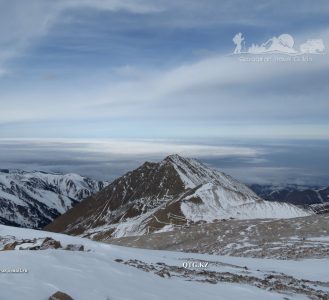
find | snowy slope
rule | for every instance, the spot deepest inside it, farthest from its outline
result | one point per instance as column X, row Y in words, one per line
column 221, row 203
column 157, row 196
column 105, row 271
column 33, row 199
column 193, row 173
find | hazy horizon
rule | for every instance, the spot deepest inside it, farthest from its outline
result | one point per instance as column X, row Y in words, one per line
column 277, row 163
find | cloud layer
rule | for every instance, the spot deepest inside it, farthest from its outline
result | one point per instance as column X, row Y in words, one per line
column 258, row 162
column 97, row 68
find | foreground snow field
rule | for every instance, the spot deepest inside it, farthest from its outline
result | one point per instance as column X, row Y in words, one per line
column 100, row 273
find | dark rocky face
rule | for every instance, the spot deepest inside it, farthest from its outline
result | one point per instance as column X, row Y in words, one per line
column 131, row 195
column 150, row 181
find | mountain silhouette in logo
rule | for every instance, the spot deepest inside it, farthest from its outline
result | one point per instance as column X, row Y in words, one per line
column 282, row 44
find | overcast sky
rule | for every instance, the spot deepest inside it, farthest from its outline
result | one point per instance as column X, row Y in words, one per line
column 130, row 69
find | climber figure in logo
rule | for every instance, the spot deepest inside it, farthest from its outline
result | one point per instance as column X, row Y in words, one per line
column 237, row 40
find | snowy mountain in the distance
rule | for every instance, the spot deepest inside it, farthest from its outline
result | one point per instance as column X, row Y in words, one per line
column 313, row 197
column 33, row 199
column 157, row 196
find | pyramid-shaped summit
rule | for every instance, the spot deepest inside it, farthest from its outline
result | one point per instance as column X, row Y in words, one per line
column 158, row 196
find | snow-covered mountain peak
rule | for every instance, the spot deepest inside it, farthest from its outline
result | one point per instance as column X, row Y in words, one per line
column 173, row 192
column 194, row 173
column 35, row 198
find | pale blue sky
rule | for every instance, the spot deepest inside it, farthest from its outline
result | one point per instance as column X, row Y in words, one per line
column 109, row 68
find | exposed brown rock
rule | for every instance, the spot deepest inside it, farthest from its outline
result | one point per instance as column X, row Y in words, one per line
column 50, row 243
column 196, row 200
column 122, row 199
column 10, row 246
column 60, row 296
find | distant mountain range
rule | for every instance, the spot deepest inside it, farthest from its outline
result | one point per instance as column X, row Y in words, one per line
column 156, row 196
column 34, row 199
column 316, row 198
column 294, row 194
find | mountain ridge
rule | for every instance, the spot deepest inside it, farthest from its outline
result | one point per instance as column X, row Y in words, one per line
column 315, row 198
column 157, row 196
column 33, row 199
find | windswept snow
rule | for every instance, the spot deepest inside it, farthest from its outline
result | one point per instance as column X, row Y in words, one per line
column 221, row 203
column 105, row 271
